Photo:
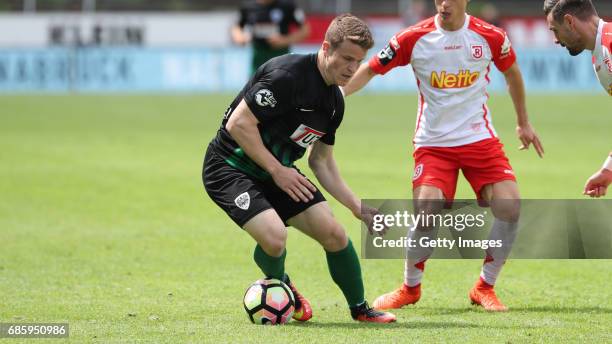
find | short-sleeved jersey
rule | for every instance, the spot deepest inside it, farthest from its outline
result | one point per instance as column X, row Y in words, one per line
column 267, row 20
column 602, row 55
column 452, row 73
column 294, row 107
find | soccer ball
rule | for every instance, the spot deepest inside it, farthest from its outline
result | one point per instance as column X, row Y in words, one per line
column 269, row 301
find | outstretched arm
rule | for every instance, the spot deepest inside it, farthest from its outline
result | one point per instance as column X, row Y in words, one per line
column 363, row 75
column 597, row 185
column 323, row 164
column 525, row 131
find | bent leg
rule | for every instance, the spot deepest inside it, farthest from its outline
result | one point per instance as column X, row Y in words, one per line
column 270, row 233
column 342, row 260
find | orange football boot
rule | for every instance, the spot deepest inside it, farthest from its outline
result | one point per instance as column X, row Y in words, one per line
column 483, row 294
column 398, row 298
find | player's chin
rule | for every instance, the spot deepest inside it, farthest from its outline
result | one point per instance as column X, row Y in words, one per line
column 574, row 52
column 342, row 80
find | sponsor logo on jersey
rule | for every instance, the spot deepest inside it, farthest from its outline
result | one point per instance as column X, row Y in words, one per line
column 464, row 78
column 477, row 51
column 243, row 201
column 418, row 171
column 265, row 97
column 305, row 136
column 453, row 47
column 476, row 126
column 608, row 63
column 386, row 55
column 227, row 113
column 276, row 15
column 509, row 172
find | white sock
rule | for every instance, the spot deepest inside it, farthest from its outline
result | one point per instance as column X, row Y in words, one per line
column 416, row 257
column 496, row 256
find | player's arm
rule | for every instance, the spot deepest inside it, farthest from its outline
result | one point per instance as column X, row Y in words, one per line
column 239, row 36
column 321, row 161
column 598, row 183
column 237, row 32
column 297, row 17
column 525, row 131
column 361, row 78
column 242, row 126
column 282, row 41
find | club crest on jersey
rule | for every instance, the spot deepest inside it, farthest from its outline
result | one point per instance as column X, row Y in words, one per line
column 243, row 201
column 265, row 97
column 477, row 51
column 418, row 171
column 305, row 136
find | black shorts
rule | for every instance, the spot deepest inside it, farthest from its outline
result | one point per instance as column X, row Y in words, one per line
column 242, row 196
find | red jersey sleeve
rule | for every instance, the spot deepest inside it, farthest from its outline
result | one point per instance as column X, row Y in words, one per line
column 398, row 51
column 501, row 48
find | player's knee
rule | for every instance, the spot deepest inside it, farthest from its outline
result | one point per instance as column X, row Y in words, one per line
column 274, row 244
column 335, row 238
column 507, row 210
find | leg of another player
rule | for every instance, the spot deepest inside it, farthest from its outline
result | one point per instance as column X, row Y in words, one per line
column 504, row 198
column 270, row 233
column 318, row 223
column 428, row 200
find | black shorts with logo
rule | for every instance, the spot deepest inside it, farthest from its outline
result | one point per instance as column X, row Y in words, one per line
column 242, row 196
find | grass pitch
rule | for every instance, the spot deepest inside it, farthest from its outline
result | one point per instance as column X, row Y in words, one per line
column 104, row 224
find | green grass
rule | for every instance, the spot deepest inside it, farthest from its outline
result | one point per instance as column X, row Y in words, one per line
column 104, row 224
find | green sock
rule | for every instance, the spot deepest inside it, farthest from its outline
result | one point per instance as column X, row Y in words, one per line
column 273, row 267
column 345, row 270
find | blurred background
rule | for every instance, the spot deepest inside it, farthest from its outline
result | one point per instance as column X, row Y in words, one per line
column 186, row 45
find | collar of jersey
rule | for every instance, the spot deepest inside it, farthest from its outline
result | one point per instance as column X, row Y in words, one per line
column 598, row 37
column 446, row 32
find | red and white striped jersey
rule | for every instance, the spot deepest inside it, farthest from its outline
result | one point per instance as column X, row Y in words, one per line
column 452, row 72
column 602, row 55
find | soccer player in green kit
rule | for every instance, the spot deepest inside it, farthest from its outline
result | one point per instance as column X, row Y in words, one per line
column 266, row 24
column 291, row 104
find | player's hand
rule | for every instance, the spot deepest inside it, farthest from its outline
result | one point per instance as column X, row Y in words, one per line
column 298, row 187
column 366, row 215
column 278, row 41
column 598, row 183
column 527, row 135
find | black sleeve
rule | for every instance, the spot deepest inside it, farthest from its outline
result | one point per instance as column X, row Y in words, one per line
column 330, row 137
column 242, row 20
column 272, row 95
column 295, row 15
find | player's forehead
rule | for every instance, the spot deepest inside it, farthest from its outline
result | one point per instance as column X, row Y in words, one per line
column 348, row 48
column 552, row 24
column 451, row 2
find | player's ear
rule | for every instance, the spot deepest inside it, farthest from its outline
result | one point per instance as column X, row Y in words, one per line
column 569, row 20
column 326, row 47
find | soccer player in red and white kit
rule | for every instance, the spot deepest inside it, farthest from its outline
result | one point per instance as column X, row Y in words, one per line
column 451, row 55
column 577, row 27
